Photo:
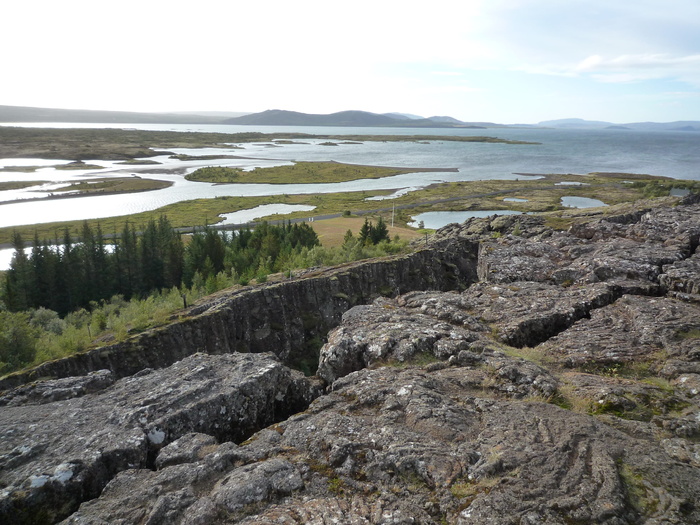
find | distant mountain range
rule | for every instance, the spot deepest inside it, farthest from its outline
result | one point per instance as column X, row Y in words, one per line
column 577, row 123
column 31, row 114
column 277, row 117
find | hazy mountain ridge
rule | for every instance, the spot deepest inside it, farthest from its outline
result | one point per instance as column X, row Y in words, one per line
column 33, row 114
column 277, row 117
column 577, row 123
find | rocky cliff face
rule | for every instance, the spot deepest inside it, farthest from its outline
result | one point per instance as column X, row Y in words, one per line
column 562, row 387
column 289, row 319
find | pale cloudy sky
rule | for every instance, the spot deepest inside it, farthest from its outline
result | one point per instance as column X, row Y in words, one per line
column 507, row 61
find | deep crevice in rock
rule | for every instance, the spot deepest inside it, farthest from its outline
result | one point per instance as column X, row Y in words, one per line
column 280, row 317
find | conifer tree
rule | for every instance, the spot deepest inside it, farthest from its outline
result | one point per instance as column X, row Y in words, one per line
column 365, row 232
column 379, row 232
column 18, row 279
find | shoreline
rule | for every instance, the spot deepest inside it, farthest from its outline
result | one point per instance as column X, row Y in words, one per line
column 86, row 194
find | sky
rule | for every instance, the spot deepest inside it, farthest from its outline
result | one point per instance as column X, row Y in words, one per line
column 505, row 61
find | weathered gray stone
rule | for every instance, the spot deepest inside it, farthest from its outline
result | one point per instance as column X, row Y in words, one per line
column 634, row 329
column 526, row 313
column 56, row 455
column 58, row 389
column 683, row 276
column 386, row 332
column 258, row 482
column 186, row 449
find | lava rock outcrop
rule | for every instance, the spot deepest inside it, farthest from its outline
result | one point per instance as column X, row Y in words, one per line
column 547, row 377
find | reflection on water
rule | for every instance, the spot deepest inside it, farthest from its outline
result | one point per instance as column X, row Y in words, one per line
column 560, row 151
column 679, row 192
column 6, row 257
column 581, row 202
column 438, row 219
column 244, row 216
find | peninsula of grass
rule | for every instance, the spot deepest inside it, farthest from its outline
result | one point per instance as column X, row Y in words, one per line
column 302, row 173
column 114, row 186
column 184, row 157
column 21, row 169
column 19, row 185
column 543, row 195
column 138, row 162
column 91, row 187
column 78, row 165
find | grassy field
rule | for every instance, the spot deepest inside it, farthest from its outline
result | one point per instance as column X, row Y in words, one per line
column 543, row 195
column 331, row 232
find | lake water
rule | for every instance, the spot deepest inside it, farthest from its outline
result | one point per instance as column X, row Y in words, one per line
column 438, row 219
column 581, row 202
column 673, row 154
column 244, row 216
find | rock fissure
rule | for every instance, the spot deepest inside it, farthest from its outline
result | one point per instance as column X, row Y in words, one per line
column 287, row 318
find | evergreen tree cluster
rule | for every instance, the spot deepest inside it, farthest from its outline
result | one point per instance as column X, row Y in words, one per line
column 247, row 253
column 70, row 277
column 371, row 234
column 76, row 274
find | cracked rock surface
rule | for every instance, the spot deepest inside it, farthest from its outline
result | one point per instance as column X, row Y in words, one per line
column 562, row 388
column 56, row 455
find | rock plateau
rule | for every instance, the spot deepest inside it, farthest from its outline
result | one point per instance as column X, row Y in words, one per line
column 507, row 373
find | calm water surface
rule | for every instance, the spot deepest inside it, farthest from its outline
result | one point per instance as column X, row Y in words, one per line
column 673, row 154
column 438, row 219
column 581, row 202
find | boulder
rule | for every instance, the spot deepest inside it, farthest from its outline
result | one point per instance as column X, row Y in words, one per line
column 56, row 455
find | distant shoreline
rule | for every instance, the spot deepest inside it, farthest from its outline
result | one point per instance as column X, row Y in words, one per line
column 67, row 195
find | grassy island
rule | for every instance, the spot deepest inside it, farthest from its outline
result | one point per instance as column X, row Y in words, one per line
column 301, row 173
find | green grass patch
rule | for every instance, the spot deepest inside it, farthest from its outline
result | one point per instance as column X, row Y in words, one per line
column 299, row 173
column 184, row 157
column 475, row 195
column 642, row 500
column 138, row 162
column 120, row 185
column 689, row 334
column 78, row 165
column 21, row 169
